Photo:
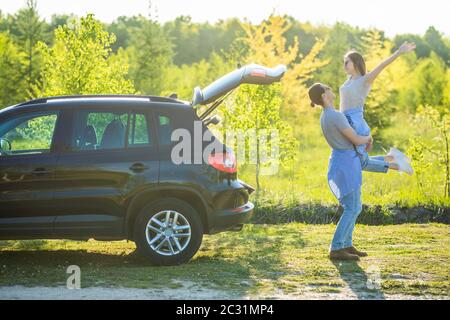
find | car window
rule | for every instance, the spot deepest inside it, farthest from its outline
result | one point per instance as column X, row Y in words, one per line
column 139, row 134
column 165, row 128
column 95, row 130
column 102, row 130
column 29, row 134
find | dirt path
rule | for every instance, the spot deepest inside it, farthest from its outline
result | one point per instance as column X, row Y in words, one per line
column 189, row 290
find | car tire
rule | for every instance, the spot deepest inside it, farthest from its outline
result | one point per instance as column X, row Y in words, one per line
column 161, row 248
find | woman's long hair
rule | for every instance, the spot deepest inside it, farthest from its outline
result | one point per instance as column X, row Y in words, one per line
column 358, row 61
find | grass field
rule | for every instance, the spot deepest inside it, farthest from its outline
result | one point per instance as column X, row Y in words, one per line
column 282, row 260
column 304, row 181
column 260, row 261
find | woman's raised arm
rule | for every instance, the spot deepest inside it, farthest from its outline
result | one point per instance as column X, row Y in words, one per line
column 404, row 48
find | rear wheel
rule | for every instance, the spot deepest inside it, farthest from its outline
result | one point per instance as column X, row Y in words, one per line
column 168, row 232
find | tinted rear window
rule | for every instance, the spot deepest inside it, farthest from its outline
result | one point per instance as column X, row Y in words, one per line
column 168, row 121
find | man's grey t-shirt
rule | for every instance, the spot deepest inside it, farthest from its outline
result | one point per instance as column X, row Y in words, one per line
column 332, row 122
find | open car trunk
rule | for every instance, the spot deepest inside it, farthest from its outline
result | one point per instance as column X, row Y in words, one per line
column 217, row 91
column 252, row 74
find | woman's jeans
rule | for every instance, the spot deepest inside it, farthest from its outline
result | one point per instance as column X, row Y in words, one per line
column 344, row 230
column 374, row 163
column 355, row 117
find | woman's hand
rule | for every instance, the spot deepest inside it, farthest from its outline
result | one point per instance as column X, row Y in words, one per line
column 407, row 47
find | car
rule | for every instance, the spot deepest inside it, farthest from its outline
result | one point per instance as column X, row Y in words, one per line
column 101, row 166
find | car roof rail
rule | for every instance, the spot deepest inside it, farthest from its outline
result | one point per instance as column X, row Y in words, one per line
column 150, row 98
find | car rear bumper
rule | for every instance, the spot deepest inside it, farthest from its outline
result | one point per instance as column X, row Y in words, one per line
column 231, row 218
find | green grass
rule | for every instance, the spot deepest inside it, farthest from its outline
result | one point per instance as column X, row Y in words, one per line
column 411, row 259
column 305, row 180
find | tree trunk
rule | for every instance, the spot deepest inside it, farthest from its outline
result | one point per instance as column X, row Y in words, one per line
column 447, row 162
column 258, row 169
column 30, row 62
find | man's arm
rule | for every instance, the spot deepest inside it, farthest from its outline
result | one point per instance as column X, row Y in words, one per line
column 354, row 138
column 344, row 127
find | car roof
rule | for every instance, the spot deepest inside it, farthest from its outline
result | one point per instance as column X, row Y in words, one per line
column 104, row 100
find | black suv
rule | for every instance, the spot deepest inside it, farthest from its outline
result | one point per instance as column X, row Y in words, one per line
column 80, row 167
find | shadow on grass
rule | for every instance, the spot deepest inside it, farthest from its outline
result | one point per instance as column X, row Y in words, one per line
column 261, row 257
column 238, row 262
column 363, row 286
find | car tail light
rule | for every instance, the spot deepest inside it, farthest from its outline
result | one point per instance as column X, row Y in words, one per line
column 225, row 162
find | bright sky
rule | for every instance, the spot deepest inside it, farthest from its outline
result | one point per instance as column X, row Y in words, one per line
column 392, row 16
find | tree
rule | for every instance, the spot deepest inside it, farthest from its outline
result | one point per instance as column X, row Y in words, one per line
column 5, row 22
column 422, row 48
column 341, row 39
column 447, row 90
column 436, row 42
column 429, row 82
column 268, row 46
column 257, row 109
column 56, row 21
column 12, row 63
column 307, row 32
column 80, row 62
column 431, row 145
column 183, row 34
column 380, row 103
column 254, row 119
column 123, row 28
column 30, row 29
column 194, row 42
column 183, row 79
column 150, row 54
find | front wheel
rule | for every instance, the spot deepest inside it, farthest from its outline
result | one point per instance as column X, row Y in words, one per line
column 168, row 232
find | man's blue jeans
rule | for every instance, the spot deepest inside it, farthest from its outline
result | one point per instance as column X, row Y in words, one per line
column 352, row 208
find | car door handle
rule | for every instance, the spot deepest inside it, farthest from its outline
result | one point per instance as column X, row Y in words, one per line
column 138, row 167
column 40, row 172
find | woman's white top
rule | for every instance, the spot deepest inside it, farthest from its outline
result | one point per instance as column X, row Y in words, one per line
column 353, row 93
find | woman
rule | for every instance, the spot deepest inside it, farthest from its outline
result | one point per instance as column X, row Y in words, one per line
column 344, row 169
column 353, row 94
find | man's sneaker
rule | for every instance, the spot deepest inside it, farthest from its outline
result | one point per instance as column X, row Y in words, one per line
column 402, row 161
column 353, row 250
column 342, row 254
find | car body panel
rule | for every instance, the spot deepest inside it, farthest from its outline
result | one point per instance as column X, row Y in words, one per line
column 27, row 186
column 92, row 193
column 25, row 198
